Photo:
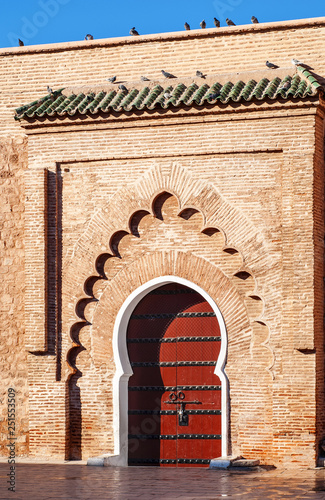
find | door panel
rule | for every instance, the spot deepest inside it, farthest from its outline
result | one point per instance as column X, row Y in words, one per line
column 173, row 343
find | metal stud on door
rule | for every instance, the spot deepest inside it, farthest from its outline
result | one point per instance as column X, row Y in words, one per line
column 174, row 396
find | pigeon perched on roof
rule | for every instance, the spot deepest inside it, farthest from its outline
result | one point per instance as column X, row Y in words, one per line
column 203, row 24
column 21, row 43
column 254, row 20
column 213, row 96
column 145, row 79
column 230, row 22
column 296, row 62
column 122, row 87
column 167, row 75
column 112, row 79
column 216, row 22
column 271, row 65
column 200, row 74
column 133, row 32
column 167, row 95
column 89, row 37
column 285, row 86
column 49, row 90
column 187, row 26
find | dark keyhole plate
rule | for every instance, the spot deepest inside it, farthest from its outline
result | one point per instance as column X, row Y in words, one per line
column 183, row 418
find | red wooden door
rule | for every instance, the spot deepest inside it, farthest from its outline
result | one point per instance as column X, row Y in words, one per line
column 174, row 396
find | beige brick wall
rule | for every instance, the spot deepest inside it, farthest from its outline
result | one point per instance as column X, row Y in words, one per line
column 13, row 358
column 255, row 174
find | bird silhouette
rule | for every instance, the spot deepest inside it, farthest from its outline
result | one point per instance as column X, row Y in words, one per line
column 213, row 96
column 187, row 26
column 49, row 90
column 145, row 79
column 133, row 32
column 296, row 62
column 200, row 74
column 271, row 65
column 167, row 75
column 122, row 87
column 89, row 37
column 112, row 79
column 21, row 43
column 254, row 20
column 285, row 86
column 230, row 22
column 203, row 24
column 216, row 22
column 167, row 95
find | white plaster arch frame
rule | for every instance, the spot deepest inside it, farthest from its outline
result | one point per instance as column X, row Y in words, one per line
column 124, row 370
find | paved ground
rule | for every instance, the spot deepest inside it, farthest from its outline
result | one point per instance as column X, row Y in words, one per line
column 79, row 482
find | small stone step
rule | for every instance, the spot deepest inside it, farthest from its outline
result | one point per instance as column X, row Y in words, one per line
column 223, row 462
column 243, row 462
column 231, row 461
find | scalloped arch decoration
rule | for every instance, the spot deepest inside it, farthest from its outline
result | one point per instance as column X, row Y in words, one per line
column 189, row 192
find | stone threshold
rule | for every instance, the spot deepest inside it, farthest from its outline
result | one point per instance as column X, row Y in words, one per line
column 106, row 461
column 233, row 462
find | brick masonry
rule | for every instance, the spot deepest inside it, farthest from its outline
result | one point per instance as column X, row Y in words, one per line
column 86, row 220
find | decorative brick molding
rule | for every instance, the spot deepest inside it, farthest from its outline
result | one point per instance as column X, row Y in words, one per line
column 131, row 260
column 36, row 260
column 114, row 219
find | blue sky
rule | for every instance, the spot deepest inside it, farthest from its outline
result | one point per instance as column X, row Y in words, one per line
column 49, row 21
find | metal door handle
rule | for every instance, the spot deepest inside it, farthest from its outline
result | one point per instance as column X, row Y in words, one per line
column 173, row 396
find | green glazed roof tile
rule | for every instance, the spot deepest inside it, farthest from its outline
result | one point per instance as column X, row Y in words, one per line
column 213, row 92
column 190, row 94
column 301, row 89
column 236, row 91
column 152, row 97
column 128, row 100
column 294, row 85
column 141, row 97
column 106, row 102
column 115, row 104
column 179, row 90
column 248, row 89
column 271, row 89
column 93, row 106
column 260, row 88
column 162, row 99
column 199, row 93
column 225, row 91
column 74, row 103
column 311, row 78
column 301, row 85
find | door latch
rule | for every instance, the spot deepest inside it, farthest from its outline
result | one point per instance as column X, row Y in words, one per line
column 182, row 413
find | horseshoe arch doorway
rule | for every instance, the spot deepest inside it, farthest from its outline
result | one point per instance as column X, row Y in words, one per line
column 173, row 392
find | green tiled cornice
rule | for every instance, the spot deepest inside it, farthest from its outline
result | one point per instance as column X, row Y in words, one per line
column 303, row 84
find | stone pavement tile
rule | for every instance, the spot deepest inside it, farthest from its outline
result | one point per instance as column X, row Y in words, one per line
column 61, row 482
